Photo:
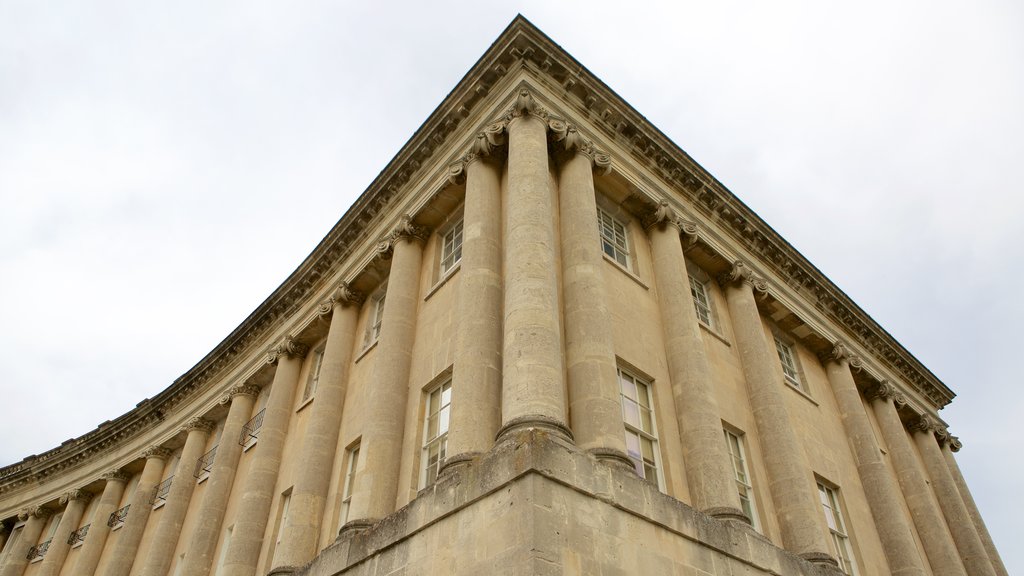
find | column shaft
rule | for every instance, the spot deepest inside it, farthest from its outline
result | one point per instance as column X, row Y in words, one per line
column 967, row 540
column 92, row 548
column 476, row 380
column 172, row 516
column 972, row 509
column 127, row 546
column 320, row 442
column 935, row 537
column 791, row 483
column 594, row 406
column 708, row 469
column 258, row 490
column 879, row 488
column 533, row 385
column 17, row 558
column 381, row 447
column 69, row 522
column 199, row 554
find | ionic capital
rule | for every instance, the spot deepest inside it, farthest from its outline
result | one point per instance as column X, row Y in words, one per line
column 574, row 142
column 158, row 452
column 840, row 353
column 483, row 146
column 241, row 390
column 922, row 423
column 343, row 295
column 115, row 476
column 199, row 423
column 526, row 105
column 663, row 216
column 405, row 230
column 289, row 347
column 954, row 443
column 741, row 273
column 34, row 512
column 75, row 495
column 885, row 391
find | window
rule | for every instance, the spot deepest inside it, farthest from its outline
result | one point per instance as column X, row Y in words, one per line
column 204, row 465
column 77, row 538
column 314, row 373
column 788, row 361
column 641, row 435
column 12, row 541
column 36, row 553
column 613, row 238
column 701, row 301
column 451, row 248
column 744, row 484
column 286, row 499
column 161, row 491
column 352, row 457
column 117, row 517
column 435, row 431
column 251, row 431
column 836, row 527
column 377, row 316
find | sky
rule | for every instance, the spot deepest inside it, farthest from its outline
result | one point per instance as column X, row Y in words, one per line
column 165, row 166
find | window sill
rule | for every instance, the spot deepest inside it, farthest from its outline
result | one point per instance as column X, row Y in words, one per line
column 249, row 445
column 159, row 504
column 625, row 271
column 77, row 544
column 118, row 527
column 713, row 332
column 366, row 351
column 444, row 280
column 203, row 478
column 305, row 403
column 805, row 395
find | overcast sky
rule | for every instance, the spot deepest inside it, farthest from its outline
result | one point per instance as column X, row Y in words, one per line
column 165, row 166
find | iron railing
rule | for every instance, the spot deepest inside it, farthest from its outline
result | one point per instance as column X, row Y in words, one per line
column 118, row 517
column 38, row 551
column 251, row 430
column 205, row 463
column 161, row 491
column 78, row 535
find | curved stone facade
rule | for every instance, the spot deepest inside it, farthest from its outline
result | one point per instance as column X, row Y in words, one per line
column 544, row 341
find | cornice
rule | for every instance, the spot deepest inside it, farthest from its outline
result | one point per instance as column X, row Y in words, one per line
column 520, row 46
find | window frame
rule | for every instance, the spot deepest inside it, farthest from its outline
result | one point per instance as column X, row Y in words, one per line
column 702, row 302
column 375, row 320
column 452, row 251
column 838, row 527
column 348, row 482
column 740, row 459
column 786, row 350
column 443, row 414
column 651, row 435
column 313, row 378
column 606, row 218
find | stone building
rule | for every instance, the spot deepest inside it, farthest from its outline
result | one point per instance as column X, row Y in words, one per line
column 544, row 341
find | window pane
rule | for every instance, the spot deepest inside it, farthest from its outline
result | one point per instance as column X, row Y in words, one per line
column 630, row 413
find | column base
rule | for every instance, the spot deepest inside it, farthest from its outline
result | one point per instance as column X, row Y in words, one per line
column 353, row 527
column 457, row 461
column 820, row 558
column 535, row 422
column 728, row 513
column 613, row 457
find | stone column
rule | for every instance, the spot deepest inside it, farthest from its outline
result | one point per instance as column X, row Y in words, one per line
column 595, row 409
column 706, row 457
column 5, row 532
column 165, row 540
column 320, row 441
column 92, row 548
column 381, row 445
column 935, row 537
column 35, row 520
column 258, row 490
column 791, row 482
column 135, row 524
column 476, row 380
column 966, row 537
column 199, row 554
column 74, row 506
column 951, row 445
column 533, row 370
column 879, row 487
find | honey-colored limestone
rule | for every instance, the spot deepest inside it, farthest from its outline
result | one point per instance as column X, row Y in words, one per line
column 17, row 558
column 92, row 548
column 75, row 502
column 123, row 556
column 951, row 445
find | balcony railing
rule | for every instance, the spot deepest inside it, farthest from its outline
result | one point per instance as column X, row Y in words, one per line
column 39, row 551
column 118, row 517
column 205, row 463
column 251, row 430
column 78, row 535
column 161, row 491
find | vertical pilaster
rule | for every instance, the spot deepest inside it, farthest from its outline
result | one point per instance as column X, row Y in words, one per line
column 533, row 384
column 931, row 528
column 791, row 482
column 879, row 487
column 320, row 441
column 595, row 410
column 705, row 454
column 476, row 379
column 165, row 541
column 74, row 506
column 92, row 548
column 138, row 514
column 199, row 554
column 258, row 490
column 966, row 537
column 35, row 520
column 381, row 446
column 951, row 445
